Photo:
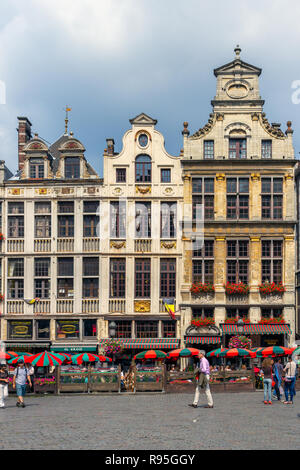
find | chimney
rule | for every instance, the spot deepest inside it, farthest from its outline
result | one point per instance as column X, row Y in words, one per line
column 24, row 135
column 110, row 146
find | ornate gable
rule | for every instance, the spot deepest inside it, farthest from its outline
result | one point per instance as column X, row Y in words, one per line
column 143, row 120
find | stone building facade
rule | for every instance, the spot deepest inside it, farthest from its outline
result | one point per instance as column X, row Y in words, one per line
column 80, row 252
column 240, row 168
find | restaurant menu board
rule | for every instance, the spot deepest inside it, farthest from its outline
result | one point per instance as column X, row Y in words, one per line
column 20, row 329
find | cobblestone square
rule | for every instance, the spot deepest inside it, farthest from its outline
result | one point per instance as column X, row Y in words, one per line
column 149, row 422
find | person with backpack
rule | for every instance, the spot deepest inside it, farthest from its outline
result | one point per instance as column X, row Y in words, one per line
column 289, row 381
column 19, row 382
column 268, row 378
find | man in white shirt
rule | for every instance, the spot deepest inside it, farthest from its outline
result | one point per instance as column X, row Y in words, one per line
column 203, row 377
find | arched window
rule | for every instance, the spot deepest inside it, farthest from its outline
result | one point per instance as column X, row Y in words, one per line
column 143, row 169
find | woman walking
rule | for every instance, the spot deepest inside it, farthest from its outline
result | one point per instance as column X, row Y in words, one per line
column 267, row 370
column 3, row 384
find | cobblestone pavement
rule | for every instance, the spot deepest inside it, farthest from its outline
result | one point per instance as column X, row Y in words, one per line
column 149, row 422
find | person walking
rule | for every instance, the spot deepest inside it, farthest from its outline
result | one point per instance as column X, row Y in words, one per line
column 19, row 382
column 202, row 378
column 30, row 371
column 289, row 381
column 3, row 384
column 277, row 375
column 267, row 371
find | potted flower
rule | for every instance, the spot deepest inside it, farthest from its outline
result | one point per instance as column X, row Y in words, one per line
column 112, row 347
column 271, row 288
column 234, row 320
column 241, row 342
column 198, row 322
column 1, row 237
column 202, row 288
column 236, row 288
column 268, row 320
column 1, row 297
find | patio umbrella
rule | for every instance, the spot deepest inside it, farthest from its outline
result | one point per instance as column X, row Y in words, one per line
column 5, row 356
column 45, row 359
column 15, row 360
column 151, row 354
column 275, row 351
column 87, row 357
column 185, row 352
column 216, row 352
column 237, row 352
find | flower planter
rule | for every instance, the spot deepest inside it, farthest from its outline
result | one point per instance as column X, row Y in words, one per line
column 45, row 388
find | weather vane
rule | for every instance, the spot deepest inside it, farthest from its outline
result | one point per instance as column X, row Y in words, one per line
column 67, row 118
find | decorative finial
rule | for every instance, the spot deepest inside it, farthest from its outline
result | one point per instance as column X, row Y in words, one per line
column 289, row 128
column 67, row 119
column 185, row 129
column 237, row 51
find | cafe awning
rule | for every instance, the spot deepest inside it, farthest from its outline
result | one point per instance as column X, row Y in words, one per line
column 142, row 343
column 258, row 329
column 203, row 340
column 25, row 344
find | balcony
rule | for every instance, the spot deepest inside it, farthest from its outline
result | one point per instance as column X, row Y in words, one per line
column 91, row 244
column 117, row 306
column 142, row 246
column 42, row 306
column 15, row 245
column 90, row 306
column 64, row 306
column 15, row 306
column 65, row 245
column 42, row 245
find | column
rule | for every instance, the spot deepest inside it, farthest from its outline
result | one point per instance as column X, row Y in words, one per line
column 289, row 212
column 220, row 263
column 255, row 262
column 220, row 197
column 255, row 198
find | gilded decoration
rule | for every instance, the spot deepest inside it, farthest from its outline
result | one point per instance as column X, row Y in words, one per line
column 118, row 245
column 220, row 176
column 255, row 176
column 141, row 190
column 16, row 191
column 168, row 245
column 142, row 306
column 169, row 191
column 41, row 191
column 117, row 191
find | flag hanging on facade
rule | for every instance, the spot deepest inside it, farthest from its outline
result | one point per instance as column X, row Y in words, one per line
column 31, row 301
column 170, row 307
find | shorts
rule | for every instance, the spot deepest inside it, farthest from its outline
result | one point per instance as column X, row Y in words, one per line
column 21, row 390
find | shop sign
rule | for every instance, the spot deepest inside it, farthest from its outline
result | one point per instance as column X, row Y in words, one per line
column 20, row 329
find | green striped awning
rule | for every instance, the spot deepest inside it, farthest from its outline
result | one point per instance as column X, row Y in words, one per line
column 203, row 340
column 142, row 343
column 258, row 329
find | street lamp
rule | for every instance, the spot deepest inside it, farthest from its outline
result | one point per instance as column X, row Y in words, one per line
column 112, row 329
column 240, row 326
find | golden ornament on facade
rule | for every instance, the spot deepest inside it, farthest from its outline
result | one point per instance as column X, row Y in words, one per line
column 117, row 245
column 142, row 306
column 16, row 192
column 220, row 176
column 143, row 190
column 41, row 191
column 168, row 245
column 255, row 176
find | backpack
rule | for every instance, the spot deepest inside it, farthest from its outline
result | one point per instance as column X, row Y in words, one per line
column 18, row 371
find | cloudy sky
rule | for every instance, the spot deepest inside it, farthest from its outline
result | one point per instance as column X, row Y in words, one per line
column 112, row 59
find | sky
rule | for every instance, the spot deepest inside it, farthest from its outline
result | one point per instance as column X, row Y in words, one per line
column 110, row 60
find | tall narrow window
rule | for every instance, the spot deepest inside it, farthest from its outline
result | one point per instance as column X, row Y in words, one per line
column 238, row 198
column 208, row 149
column 272, row 258
column 203, row 193
column 203, row 263
column 90, row 218
column 143, row 169
column 15, row 274
column 272, row 198
column 167, row 278
column 168, row 212
column 266, row 149
column 72, row 167
column 121, row 175
column 90, row 271
column 118, row 219
column 42, row 219
column 117, row 277
column 143, row 219
column 237, row 261
column 65, row 222
column 237, row 148
column 15, row 220
column 42, row 278
column 165, row 175
column 142, row 278
column 65, row 281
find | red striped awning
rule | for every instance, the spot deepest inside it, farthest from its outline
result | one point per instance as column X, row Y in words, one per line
column 258, row 329
column 145, row 343
column 203, row 340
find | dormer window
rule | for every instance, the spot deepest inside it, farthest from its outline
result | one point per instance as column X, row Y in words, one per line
column 36, row 168
column 143, row 169
column 237, row 148
column 72, row 167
